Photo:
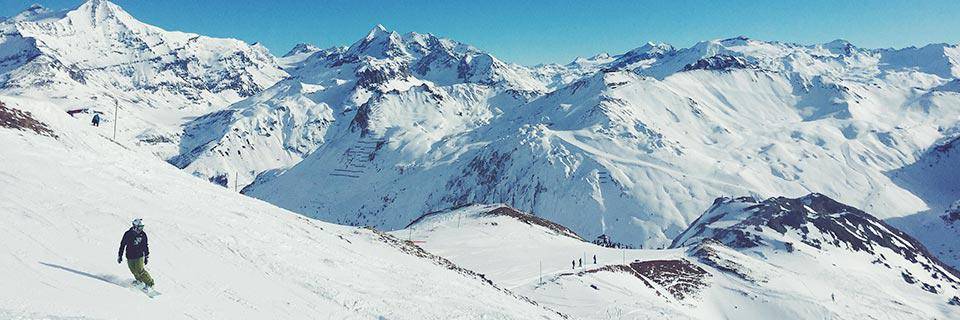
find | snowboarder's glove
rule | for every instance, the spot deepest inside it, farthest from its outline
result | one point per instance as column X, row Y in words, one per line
column 119, row 259
column 146, row 259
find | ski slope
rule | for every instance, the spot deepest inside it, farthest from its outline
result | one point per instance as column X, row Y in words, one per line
column 215, row 254
column 762, row 282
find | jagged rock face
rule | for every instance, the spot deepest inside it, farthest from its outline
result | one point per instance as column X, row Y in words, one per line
column 681, row 278
column 302, row 48
column 649, row 52
column 714, row 254
column 532, row 220
column 385, row 55
column 719, row 62
column 678, row 279
column 953, row 213
column 23, row 121
column 841, row 225
column 816, row 222
column 374, row 75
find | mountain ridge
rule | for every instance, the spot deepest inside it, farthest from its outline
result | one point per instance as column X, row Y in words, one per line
column 628, row 145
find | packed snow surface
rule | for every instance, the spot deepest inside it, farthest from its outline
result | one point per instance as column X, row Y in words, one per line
column 629, row 149
column 707, row 276
column 214, row 254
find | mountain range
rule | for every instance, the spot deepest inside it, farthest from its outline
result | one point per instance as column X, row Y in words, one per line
column 630, row 146
column 740, row 160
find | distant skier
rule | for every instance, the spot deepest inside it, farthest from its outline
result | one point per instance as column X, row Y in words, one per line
column 138, row 252
column 594, row 259
column 581, row 262
column 96, row 120
column 573, row 264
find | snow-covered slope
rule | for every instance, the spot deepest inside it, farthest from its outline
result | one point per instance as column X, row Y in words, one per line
column 635, row 148
column 100, row 58
column 332, row 94
column 297, row 54
column 67, row 195
column 837, row 247
column 532, row 255
column 631, row 146
column 806, row 258
column 935, row 178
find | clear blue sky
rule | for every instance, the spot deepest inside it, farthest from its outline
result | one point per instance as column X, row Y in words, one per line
column 531, row 32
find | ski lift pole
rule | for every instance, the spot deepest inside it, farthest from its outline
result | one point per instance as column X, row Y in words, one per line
column 541, row 272
column 116, row 111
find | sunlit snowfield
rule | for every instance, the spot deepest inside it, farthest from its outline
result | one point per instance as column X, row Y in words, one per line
column 298, row 186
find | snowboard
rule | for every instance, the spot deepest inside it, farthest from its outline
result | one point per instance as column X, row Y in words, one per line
column 149, row 291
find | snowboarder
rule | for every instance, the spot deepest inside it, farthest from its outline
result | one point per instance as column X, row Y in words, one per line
column 138, row 252
column 96, row 120
column 594, row 259
column 581, row 262
column 573, row 264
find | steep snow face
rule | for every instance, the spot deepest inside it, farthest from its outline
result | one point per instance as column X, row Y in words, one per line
column 940, row 59
column 298, row 54
column 635, row 157
column 98, row 57
column 301, row 49
column 273, row 131
column 68, row 196
column 934, row 177
column 801, row 259
column 414, row 86
column 935, row 174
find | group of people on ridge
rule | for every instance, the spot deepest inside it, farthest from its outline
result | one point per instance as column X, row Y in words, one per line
column 574, row 262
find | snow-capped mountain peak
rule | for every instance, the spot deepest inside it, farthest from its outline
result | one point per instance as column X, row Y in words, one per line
column 302, row 48
column 380, row 44
column 98, row 11
column 30, row 12
column 377, row 31
column 839, row 47
column 98, row 58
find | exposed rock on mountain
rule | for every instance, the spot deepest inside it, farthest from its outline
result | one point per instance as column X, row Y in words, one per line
column 98, row 56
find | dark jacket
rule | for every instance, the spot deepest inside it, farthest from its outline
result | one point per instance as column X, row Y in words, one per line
column 136, row 244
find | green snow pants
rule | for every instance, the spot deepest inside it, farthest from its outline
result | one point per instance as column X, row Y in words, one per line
column 139, row 272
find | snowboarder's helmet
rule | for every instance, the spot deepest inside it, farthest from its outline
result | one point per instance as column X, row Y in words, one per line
column 138, row 223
